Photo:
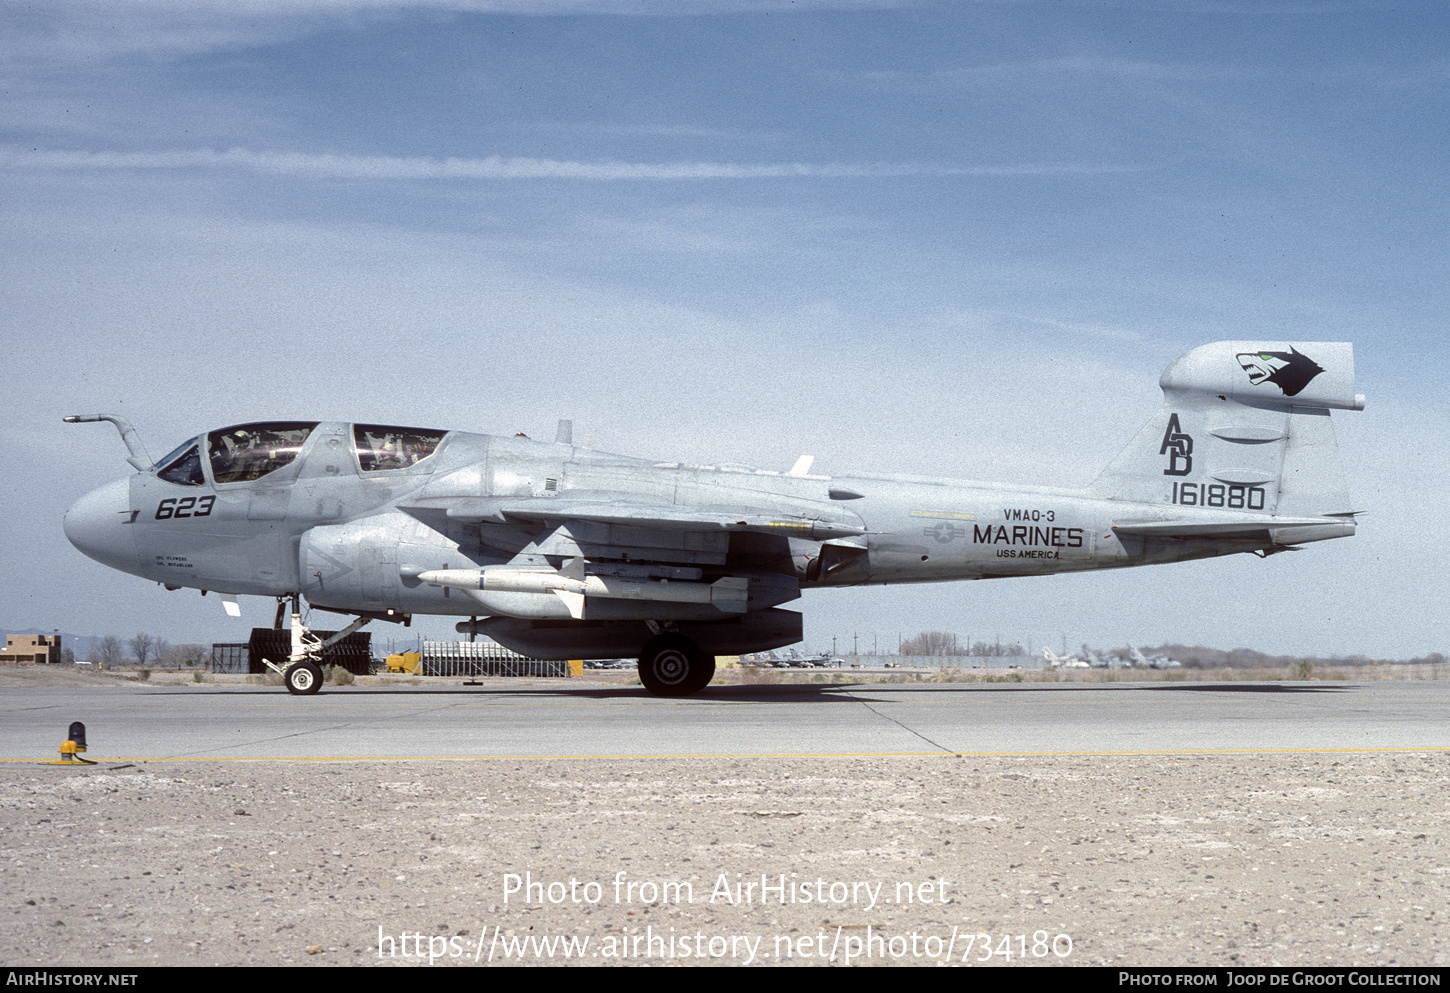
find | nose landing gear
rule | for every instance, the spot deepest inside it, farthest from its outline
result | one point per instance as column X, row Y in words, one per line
column 303, row 672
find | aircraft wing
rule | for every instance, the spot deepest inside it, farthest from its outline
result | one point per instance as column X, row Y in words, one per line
column 680, row 518
column 613, row 538
column 666, row 517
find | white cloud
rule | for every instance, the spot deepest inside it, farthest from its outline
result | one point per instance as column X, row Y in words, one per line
column 495, row 167
column 1059, row 71
column 82, row 30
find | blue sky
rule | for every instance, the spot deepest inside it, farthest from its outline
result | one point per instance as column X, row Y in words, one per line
column 954, row 239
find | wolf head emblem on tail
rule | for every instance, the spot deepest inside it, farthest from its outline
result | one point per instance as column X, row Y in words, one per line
column 1291, row 371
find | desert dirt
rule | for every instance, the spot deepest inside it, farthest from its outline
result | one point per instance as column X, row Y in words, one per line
column 1267, row 859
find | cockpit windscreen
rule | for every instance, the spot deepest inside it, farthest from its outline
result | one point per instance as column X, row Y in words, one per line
column 177, row 450
column 250, row 451
column 186, row 469
column 382, row 447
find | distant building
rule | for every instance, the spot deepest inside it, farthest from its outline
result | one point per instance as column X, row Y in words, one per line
column 39, row 648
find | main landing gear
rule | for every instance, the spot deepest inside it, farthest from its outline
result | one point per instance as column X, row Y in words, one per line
column 673, row 665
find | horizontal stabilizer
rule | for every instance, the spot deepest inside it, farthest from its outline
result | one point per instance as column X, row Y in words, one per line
column 1280, row 530
column 1315, row 374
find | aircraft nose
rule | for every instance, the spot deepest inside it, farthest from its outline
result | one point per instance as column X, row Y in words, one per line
column 99, row 524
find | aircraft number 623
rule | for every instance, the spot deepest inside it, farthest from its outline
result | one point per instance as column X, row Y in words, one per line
column 185, row 507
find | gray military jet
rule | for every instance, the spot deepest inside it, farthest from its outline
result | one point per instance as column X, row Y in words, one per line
column 560, row 552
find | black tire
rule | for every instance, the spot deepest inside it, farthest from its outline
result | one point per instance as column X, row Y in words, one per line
column 303, row 679
column 673, row 665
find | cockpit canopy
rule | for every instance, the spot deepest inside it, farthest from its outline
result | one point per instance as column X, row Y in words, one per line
column 250, row 451
column 380, row 447
column 246, row 452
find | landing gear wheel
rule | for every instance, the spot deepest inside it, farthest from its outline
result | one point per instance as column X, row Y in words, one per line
column 673, row 665
column 303, row 679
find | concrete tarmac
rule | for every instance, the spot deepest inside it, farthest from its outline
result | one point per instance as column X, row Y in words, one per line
column 552, row 822
column 580, row 718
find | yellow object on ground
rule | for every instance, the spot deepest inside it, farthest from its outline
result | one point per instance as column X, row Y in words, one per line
column 409, row 662
column 576, row 667
column 68, row 756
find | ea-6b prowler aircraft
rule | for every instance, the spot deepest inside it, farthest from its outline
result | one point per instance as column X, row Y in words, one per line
column 560, row 552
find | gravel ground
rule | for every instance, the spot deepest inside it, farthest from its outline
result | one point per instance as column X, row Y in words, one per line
column 1277, row 859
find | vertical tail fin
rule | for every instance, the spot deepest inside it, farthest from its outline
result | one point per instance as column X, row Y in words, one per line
column 1245, row 428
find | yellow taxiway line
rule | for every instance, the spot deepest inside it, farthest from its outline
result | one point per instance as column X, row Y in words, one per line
column 737, row 755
